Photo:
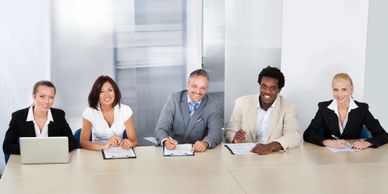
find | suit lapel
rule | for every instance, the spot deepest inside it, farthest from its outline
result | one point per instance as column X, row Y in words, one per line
column 333, row 117
column 51, row 129
column 351, row 120
column 184, row 108
column 194, row 118
column 274, row 117
column 252, row 118
column 30, row 129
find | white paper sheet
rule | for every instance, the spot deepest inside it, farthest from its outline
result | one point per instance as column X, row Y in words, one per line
column 180, row 150
column 346, row 149
column 240, row 148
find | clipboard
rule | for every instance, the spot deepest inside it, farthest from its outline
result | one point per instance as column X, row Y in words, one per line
column 118, row 153
column 180, row 150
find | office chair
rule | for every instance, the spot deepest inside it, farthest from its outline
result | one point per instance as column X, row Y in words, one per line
column 77, row 136
column 6, row 158
column 365, row 134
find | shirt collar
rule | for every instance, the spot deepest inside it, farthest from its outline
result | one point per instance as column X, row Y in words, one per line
column 272, row 106
column 334, row 106
column 189, row 100
column 115, row 108
column 30, row 115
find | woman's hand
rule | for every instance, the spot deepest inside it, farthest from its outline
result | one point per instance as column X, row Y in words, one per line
column 361, row 145
column 335, row 143
column 108, row 145
column 112, row 142
column 126, row 144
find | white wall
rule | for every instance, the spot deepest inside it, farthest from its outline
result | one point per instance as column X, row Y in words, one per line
column 321, row 38
column 376, row 92
column 252, row 42
column 24, row 55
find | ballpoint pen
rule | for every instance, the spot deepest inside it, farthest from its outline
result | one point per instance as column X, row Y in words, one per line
column 170, row 138
column 245, row 136
column 347, row 143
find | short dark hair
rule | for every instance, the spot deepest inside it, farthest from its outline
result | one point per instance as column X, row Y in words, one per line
column 43, row 83
column 94, row 94
column 272, row 72
column 198, row 72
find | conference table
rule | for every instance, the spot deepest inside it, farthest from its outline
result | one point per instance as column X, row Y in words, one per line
column 305, row 169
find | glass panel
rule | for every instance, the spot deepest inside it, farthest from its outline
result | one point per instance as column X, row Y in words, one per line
column 149, row 56
column 214, row 46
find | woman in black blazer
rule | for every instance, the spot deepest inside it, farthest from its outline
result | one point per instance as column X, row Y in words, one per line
column 38, row 120
column 344, row 118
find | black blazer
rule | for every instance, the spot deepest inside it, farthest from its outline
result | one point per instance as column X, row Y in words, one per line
column 19, row 127
column 325, row 124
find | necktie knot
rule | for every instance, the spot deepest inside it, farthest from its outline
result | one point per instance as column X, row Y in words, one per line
column 193, row 107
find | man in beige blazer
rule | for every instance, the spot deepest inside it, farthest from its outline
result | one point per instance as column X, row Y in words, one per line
column 265, row 118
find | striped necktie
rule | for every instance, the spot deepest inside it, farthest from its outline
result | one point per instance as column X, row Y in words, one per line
column 193, row 107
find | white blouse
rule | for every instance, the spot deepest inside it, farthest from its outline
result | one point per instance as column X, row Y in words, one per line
column 101, row 131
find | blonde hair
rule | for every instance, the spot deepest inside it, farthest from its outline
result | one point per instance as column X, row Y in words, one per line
column 343, row 76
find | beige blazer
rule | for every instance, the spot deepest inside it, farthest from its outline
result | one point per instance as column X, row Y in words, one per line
column 283, row 126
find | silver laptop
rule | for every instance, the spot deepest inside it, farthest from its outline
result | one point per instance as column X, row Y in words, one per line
column 44, row 150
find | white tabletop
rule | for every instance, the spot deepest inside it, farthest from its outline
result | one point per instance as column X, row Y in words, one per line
column 306, row 169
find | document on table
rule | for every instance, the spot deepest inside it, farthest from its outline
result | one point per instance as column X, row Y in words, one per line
column 180, row 150
column 346, row 149
column 118, row 153
column 240, row 148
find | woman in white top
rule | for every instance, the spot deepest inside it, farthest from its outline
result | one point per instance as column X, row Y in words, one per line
column 106, row 118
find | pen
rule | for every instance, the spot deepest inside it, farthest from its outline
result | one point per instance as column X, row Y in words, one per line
column 170, row 138
column 245, row 136
column 347, row 143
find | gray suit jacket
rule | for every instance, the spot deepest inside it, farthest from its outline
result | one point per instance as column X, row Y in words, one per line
column 175, row 121
column 283, row 126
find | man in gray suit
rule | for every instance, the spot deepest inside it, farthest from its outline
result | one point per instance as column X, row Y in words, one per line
column 191, row 116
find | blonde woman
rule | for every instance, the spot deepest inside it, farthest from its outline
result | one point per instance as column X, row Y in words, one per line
column 343, row 118
column 38, row 120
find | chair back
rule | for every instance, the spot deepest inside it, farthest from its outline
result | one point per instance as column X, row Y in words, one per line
column 6, row 158
column 365, row 134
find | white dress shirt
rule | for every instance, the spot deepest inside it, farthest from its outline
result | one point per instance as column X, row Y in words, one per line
column 38, row 132
column 262, row 122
